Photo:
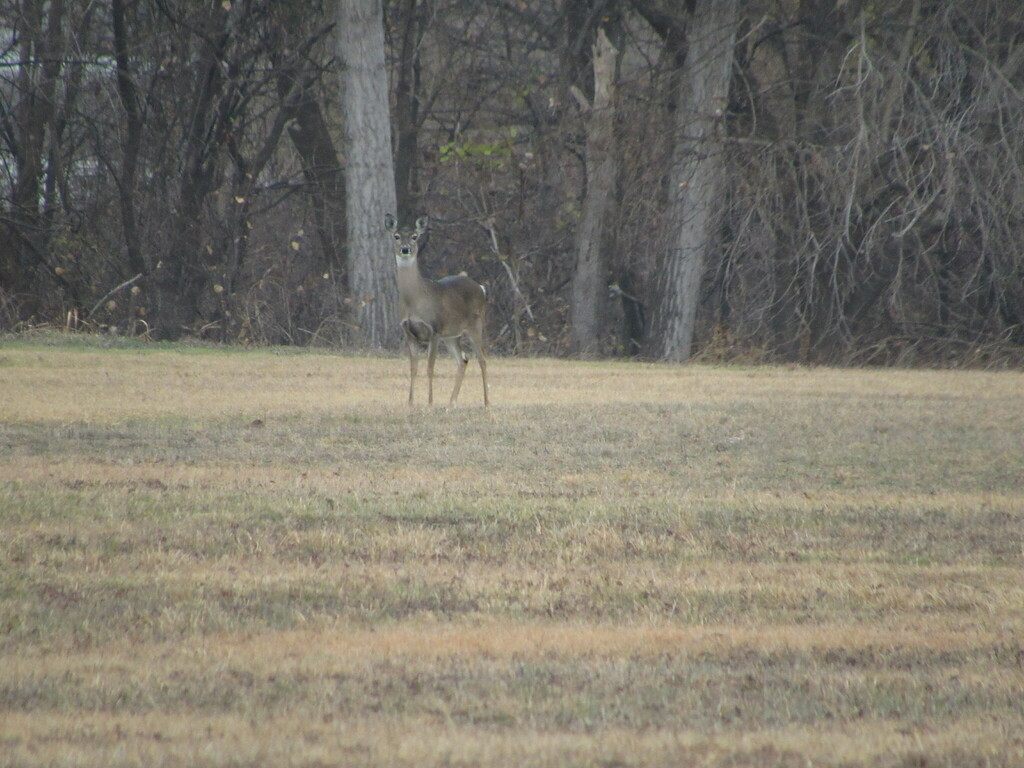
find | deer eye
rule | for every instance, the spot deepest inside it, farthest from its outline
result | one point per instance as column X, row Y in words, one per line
column 398, row 237
column 415, row 237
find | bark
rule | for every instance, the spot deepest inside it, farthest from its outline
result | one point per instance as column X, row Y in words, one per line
column 133, row 127
column 407, row 107
column 588, row 285
column 696, row 177
column 323, row 172
column 369, row 172
column 311, row 137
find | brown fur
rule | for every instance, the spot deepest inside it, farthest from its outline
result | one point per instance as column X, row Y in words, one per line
column 447, row 310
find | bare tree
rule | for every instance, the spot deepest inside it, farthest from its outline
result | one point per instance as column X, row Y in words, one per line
column 696, row 179
column 589, row 278
column 369, row 171
column 409, row 28
column 870, row 218
column 292, row 52
column 851, row 194
column 134, row 124
column 30, row 123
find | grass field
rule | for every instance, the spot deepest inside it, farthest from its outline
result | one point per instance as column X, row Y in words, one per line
column 219, row 557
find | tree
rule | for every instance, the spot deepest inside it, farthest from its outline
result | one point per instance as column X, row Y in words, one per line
column 30, row 126
column 589, row 278
column 410, row 27
column 696, row 178
column 298, row 75
column 369, row 171
column 224, row 144
column 230, row 82
column 843, row 185
column 134, row 125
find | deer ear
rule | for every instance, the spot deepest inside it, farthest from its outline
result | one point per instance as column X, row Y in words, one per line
column 422, row 223
column 390, row 222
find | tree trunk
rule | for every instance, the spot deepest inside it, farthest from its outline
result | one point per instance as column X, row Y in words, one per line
column 369, row 172
column 407, row 107
column 132, row 143
column 321, row 168
column 184, row 266
column 695, row 179
column 30, row 125
column 311, row 137
column 588, row 289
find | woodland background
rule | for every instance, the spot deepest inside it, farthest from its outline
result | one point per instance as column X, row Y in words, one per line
column 787, row 180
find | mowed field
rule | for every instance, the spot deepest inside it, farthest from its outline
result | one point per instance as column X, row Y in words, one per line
column 225, row 557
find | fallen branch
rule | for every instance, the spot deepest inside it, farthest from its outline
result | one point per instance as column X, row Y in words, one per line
column 111, row 292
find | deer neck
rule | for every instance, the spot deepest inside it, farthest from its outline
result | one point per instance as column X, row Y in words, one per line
column 411, row 284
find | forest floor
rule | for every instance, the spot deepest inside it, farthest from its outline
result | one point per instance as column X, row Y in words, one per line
column 227, row 557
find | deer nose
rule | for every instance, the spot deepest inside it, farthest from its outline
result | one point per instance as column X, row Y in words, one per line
column 405, row 250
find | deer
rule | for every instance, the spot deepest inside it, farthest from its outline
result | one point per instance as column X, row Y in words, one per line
column 449, row 310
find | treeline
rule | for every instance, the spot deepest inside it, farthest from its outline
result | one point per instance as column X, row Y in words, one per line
column 767, row 179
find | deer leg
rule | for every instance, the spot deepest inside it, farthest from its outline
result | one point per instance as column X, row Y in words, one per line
column 431, row 357
column 478, row 347
column 461, row 361
column 483, row 373
column 413, row 365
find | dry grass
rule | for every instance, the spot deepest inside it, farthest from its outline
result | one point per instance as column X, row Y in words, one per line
column 241, row 558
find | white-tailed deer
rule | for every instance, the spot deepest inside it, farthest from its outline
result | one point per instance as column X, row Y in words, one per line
column 447, row 310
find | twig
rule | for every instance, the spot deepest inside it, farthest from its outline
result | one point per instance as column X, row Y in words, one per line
column 112, row 291
column 515, row 287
